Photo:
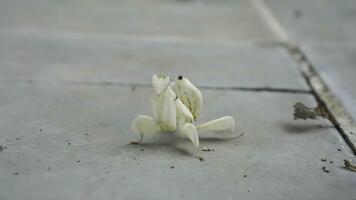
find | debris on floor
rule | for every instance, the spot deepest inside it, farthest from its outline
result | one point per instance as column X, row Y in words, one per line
column 237, row 137
column 206, row 149
column 303, row 112
column 200, row 158
column 134, row 143
column 348, row 165
column 323, row 159
column 325, row 170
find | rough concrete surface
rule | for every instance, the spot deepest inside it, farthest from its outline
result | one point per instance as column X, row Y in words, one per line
column 74, row 74
column 55, row 159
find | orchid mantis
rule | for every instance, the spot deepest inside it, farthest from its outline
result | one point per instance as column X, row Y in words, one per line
column 176, row 106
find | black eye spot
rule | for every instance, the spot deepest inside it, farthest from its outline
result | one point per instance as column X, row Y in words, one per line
column 180, row 77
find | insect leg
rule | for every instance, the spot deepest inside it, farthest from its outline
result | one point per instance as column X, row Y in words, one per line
column 144, row 125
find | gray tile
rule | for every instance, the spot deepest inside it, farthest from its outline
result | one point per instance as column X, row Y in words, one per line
column 318, row 20
column 93, row 59
column 280, row 157
column 192, row 19
column 325, row 30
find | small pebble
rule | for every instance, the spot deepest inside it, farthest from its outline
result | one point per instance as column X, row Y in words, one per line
column 331, row 162
column 172, row 167
column 69, row 143
column 245, row 176
column 323, row 159
column 338, row 149
column 1, row 148
column 78, row 160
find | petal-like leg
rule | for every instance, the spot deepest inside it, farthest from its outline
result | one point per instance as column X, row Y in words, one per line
column 144, row 125
column 190, row 131
column 169, row 111
column 223, row 123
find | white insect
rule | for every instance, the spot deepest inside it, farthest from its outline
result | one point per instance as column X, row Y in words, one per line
column 176, row 106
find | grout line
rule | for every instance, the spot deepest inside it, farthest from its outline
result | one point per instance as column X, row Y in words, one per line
column 259, row 89
column 341, row 119
column 148, row 85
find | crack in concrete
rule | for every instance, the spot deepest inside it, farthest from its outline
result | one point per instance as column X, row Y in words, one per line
column 148, row 85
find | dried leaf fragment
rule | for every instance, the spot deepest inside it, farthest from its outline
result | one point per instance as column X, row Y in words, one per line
column 349, row 165
column 303, row 112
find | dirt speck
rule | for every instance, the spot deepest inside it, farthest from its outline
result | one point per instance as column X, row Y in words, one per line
column 339, row 149
column 78, row 160
column 17, row 138
column 142, row 150
column 323, row 159
column 325, row 170
column 134, row 143
column 69, row 143
column 200, row 158
column 207, row 149
column 172, row 167
column 2, row 148
column 245, row 176
column 16, row 173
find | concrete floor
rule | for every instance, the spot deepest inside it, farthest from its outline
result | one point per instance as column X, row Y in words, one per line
column 74, row 75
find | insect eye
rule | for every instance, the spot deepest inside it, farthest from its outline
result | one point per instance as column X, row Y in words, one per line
column 180, row 77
